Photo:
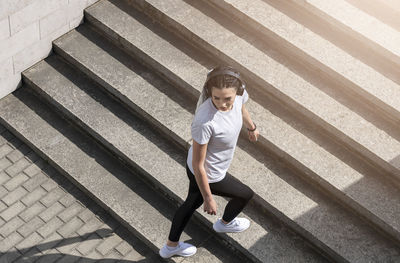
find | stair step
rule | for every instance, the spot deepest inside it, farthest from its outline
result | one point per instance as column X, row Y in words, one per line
column 353, row 42
column 121, row 192
column 359, row 190
column 311, row 103
column 383, row 10
column 324, row 59
column 365, row 24
column 283, row 194
column 267, row 241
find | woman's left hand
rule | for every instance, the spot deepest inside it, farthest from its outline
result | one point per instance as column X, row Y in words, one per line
column 253, row 135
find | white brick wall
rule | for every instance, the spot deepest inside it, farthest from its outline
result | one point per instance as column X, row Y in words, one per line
column 27, row 28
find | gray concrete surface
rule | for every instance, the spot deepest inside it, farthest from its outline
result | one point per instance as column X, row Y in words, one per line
column 343, row 36
column 365, row 24
column 45, row 218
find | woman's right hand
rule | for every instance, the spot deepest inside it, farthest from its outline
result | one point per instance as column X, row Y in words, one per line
column 210, row 206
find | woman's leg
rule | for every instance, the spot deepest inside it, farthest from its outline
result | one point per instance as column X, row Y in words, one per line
column 193, row 201
column 239, row 192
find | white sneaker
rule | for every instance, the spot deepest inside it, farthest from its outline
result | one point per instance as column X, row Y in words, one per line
column 182, row 249
column 238, row 224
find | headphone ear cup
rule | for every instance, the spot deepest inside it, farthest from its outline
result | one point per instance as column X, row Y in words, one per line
column 206, row 91
column 242, row 87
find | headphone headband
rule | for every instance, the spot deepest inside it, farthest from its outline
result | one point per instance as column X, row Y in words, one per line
column 212, row 74
column 226, row 71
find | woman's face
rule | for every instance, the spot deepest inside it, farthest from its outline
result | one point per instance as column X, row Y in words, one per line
column 223, row 99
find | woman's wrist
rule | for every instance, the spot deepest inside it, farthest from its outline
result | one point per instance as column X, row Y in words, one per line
column 253, row 129
column 208, row 198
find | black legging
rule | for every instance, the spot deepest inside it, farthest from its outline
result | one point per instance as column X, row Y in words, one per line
column 228, row 187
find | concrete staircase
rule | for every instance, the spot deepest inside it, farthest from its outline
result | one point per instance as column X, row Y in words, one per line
column 112, row 107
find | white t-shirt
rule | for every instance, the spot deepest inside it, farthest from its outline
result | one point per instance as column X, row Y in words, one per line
column 221, row 131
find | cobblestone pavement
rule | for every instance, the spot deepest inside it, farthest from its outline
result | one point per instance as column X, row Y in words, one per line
column 45, row 218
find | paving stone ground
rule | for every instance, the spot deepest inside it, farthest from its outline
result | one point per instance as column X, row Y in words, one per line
column 45, row 218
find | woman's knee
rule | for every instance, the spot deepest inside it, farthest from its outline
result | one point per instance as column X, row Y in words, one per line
column 247, row 193
column 199, row 201
column 192, row 202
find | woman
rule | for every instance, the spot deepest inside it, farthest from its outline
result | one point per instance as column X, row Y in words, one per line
column 215, row 130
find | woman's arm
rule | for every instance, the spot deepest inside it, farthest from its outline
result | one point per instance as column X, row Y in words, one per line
column 253, row 135
column 199, row 156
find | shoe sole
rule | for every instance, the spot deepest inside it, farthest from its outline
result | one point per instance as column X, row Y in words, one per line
column 177, row 255
column 237, row 231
